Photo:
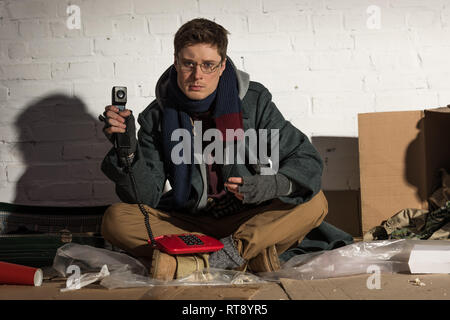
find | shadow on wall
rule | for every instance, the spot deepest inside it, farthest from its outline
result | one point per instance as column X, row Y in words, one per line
column 420, row 168
column 428, row 154
column 415, row 163
column 62, row 147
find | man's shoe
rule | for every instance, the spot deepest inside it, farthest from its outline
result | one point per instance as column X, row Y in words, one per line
column 266, row 261
column 164, row 266
column 239, row 248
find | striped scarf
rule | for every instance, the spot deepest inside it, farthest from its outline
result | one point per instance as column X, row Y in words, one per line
column 227, row 115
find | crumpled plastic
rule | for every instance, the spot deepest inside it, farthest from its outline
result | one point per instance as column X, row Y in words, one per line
column 85, row 279
column 128, row 272
column 91, row 259
column 93, row 264
column 210, row 277
column 387, row 256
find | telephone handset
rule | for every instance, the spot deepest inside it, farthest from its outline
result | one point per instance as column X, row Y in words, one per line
column 173, row 243
column 119, row 99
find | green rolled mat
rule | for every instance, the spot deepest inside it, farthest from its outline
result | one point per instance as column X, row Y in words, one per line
column 30, row 235
column 15, row 218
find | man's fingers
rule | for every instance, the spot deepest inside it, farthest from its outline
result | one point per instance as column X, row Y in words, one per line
column 111, row 130
column 112, row 108
column 234, row 188
column 115, row 123
column 115, row 110
column 125, row 113
column 231, row 187
column 233, row 184
column 237, row 180
column 112, row 115
column 114, row 120
column 240, row 196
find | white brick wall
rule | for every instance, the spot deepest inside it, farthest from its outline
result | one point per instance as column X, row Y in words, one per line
column 319, row 58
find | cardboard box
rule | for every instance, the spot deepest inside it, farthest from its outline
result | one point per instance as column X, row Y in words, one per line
column 400, row 154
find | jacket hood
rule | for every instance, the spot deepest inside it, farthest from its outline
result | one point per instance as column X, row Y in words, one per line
column 243, row 79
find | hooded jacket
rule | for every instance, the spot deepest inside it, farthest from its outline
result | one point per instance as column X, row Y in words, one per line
column 299, row 161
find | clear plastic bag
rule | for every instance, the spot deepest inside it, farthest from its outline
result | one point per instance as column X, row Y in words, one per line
column 127, row 272
column 90, row 259
column 214, row 276
column 210, row 277
column 125, row 278
column 389, row 256
column 85, row 279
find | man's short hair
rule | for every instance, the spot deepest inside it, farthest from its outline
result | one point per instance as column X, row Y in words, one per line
column 202, row 30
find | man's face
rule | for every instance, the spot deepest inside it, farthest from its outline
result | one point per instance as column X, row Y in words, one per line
column 195, row 83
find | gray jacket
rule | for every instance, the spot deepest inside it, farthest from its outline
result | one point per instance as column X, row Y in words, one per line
column 299, row 160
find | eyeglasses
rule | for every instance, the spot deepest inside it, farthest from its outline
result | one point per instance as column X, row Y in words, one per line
column 206, row 67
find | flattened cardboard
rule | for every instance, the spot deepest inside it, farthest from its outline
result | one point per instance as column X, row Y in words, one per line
column 245, row 292
column 400, row 154
column 392, row 287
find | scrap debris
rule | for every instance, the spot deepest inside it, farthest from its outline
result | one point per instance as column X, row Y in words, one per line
column 416, row 282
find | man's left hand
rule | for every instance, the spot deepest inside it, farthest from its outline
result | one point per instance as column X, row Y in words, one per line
column 258, row 188
column 233, row 184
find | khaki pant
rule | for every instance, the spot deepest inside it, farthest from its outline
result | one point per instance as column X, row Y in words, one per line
column 280, row 224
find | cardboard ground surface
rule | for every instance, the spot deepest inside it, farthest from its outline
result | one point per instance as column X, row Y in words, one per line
column 392, row 287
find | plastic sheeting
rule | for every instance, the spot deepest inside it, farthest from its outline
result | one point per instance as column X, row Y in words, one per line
column 210, row 277
column 127, row 272
column 388, row 256
column 91, row 259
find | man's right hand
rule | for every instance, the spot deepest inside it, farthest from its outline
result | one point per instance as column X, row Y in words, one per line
column 115, row 120
column 120, row 122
